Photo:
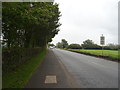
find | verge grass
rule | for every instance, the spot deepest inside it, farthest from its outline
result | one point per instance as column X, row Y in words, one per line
column 113, row 54
column 18, row 78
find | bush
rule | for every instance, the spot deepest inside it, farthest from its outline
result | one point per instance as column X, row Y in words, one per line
column 12, row 58
column 74, row 46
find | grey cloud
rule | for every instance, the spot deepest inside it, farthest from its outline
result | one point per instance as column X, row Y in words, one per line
column 83, row 19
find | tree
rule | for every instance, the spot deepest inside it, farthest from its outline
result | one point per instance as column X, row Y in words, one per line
column 74, row 46
column 112, row 47
column 118, row 47
column 64, row 43
column 51, row 44
column 89, row 44
column 59, row 45
column 31, row 26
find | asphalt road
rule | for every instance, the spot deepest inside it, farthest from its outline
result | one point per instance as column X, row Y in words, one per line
column 73, row 70
column 88, row 71
column 51, row 66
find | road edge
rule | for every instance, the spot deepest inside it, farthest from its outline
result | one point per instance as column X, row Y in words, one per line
column 67, row 73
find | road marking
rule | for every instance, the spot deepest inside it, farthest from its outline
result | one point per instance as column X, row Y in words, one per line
column 50, row 79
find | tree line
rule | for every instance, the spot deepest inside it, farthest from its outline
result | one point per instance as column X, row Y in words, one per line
column 26, row 30
column 87, row 44
column 26, row 24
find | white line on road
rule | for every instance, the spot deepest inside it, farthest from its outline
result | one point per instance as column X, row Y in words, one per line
column 50, row 79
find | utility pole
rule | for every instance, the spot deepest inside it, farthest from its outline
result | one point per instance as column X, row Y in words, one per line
column 102, row 42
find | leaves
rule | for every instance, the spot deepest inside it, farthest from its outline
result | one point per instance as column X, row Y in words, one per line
column 25, row 26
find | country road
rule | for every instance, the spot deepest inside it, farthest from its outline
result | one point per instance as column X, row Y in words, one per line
column 90, row 72
column 75, row 70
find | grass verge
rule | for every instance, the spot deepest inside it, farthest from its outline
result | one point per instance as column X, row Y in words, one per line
column 20, row 77
column 107, row 54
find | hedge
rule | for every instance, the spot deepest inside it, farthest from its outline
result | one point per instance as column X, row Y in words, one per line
column 13, row 58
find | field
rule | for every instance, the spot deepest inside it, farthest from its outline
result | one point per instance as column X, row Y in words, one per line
column 111, row 54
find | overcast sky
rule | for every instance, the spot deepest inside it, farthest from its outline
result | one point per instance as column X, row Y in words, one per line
column 88, row 19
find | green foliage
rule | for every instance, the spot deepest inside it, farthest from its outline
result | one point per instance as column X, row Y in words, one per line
column 89, row 44
column 13, row 58
column 59, row 45
column 19, row 77
column 74, row 46
column 62, row 44
column 23, row 29
column 112, row 47
column 52, row 45
column 25, row 26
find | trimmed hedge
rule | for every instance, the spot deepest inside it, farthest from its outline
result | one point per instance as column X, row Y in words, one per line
column 13, row 58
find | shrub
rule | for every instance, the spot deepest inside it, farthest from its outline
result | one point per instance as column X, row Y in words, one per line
column 74, row 46
column 12, row 58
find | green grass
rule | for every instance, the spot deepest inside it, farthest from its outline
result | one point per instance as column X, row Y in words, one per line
column 20, row 77
column 113, row 54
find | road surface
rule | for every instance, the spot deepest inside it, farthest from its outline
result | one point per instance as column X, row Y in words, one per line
column 90, row 72
column 74, row 70
column 51, row 67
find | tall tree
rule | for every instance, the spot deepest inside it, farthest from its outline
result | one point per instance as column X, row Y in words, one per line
column 89, row 44
column 26, row 26
column 64, row 43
